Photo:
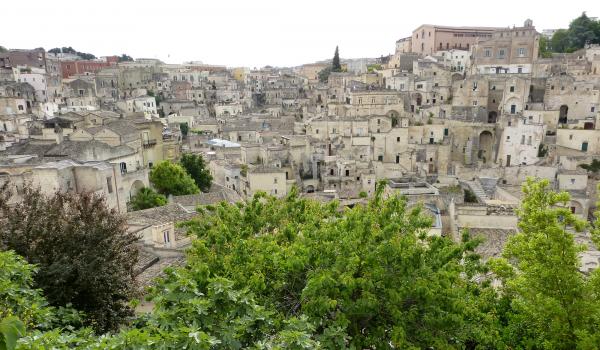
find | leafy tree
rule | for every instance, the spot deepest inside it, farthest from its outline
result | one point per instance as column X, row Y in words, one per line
column 11, row 329
column 147, row 198
column 195, row 166
column 82, row 248
column 366, row 277
column 582, row 31
column 83, row 55
column 552, row 304
column 335, row 63
column 560, row 40
column 3, row 49
column 17, row 296
column 470, row 197
column 172, row 179
column 545, row 50
column 324, row 74
column 184, row 129
column 125, row 58
column 593, row 167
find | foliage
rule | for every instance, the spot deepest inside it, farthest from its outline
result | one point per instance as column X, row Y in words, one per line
column 374, row 67
column 3, row 49
column 335, row 63
column 470, row 197
column 195, row 166
column 147, row 198
column 363, row 194
column 172, row 179
column 582, row 30
column 366, row 277
column 83, row 55
column 125, row 58
column 560, row 40
column 184, row 129
column 82, row 248
column 545, row 49
column 244, row 170
column 17, row 296
column 552, row 305
column 11, row 329
column 593, row 167
column 324, row 74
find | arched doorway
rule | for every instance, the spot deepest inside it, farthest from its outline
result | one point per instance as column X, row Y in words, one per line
column 310, row 189
column 562, row 116
column 492, row 117
column 485, row 146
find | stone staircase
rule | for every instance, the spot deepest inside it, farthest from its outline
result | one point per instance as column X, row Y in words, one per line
column 489, row 185
column 478, row 190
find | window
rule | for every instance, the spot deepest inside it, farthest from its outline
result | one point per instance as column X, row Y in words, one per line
column 501, row 53
column 507, row 138
column 522, row 139
column 474, row 103
column 123, row 167
column 593, row 109
column 571, row 137
column 512, row 89
column 109, row 184
column 521, row 51
column 529, row 140
column 20, row 107
column 331, row 172
column 274, row 180
column 520, row 70
column 166, row 236
column 380, row 158
column 572, row 181
column 347, row 172
column 317, row 131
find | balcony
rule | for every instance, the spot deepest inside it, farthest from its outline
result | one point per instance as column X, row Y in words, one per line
column 149, row 143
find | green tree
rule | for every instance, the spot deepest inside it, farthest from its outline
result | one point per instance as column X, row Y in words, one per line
column 560, row 40
column 3, row 49
column 172, row 179
column 82, row 248
column 582, row 30
column 324, row 74
column 593, row 167
column 195, row 166
column 552, row 304
column 11, row 329
column 335, row 63
column 184, row 129
column 368, row 277
column 147, row 198
column 125, row 58
column 545, row 50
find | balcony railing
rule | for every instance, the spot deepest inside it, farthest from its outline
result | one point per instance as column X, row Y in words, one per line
column 148, row 143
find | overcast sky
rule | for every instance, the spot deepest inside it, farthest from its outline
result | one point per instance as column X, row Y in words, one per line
column 254, row 33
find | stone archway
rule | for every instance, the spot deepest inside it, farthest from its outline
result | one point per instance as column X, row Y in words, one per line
column 136, row 186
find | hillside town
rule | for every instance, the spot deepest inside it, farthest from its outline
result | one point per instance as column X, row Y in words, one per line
column 455, row 121
column 384, row 184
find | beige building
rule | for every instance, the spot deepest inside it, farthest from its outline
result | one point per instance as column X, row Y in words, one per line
column 508, row 50
column 428, row 39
